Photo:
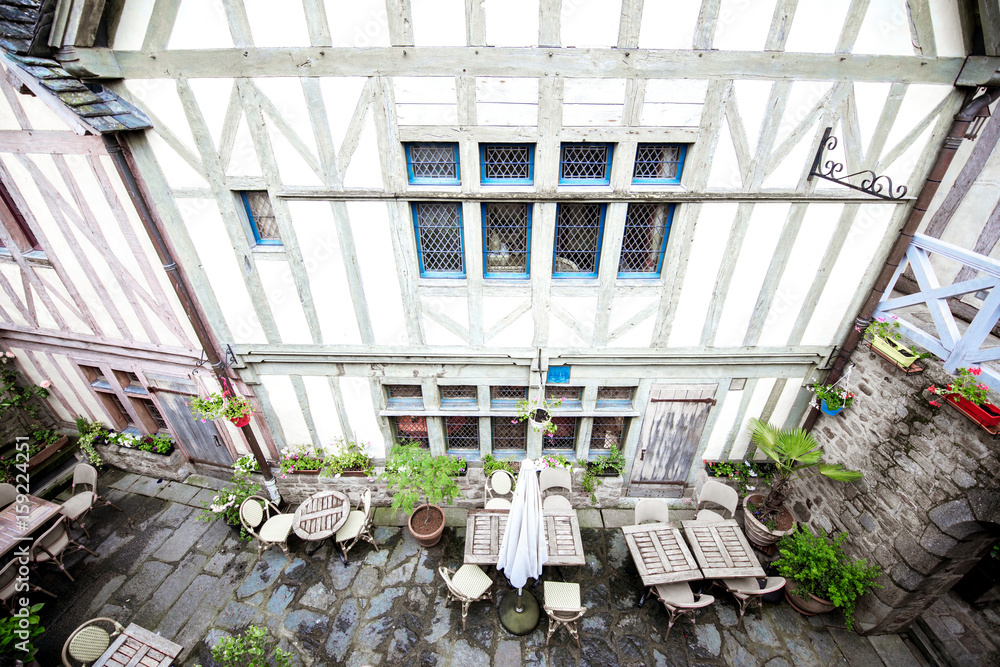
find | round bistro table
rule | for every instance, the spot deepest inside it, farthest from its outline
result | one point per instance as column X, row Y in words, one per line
column 321, row 515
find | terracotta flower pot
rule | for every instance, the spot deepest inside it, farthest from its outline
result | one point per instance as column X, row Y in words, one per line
column 757, row 532
column 427, row 539
column 809, row 605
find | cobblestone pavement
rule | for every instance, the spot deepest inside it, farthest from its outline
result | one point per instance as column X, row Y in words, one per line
column 193, row 581
column 964, row 636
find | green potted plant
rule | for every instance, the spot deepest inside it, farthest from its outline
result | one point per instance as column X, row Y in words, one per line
column 796, row 455
column 17, row 636
column 226, row 503
column 746, row 474
column 538, row 413
column 228, row 404
column 611, row 464
column 492, row 464
column 351, row 459
column 255, row 648
column 968, row 395
column 833, row 398
column 820, row 576
column 15, row 395
column 884, row 337
column 91, row 434
column 412, row 473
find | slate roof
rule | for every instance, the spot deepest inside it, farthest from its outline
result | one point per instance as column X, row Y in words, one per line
column 100, row 109
column 25, row 25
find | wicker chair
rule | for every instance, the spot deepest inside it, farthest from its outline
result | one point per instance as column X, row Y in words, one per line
column 8, row 494
column 467, row 585
column 679, row 601
column 85, row 475
column 9, row 584
column 500, row 483
column 652, row 509
column 261, row 518
column 89, row 642
column 562, row 604
column 555, row 478
column 53, row 546
column 718, row 494
column 357, row 527
column 748, row 591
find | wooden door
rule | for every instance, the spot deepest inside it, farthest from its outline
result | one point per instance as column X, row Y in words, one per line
column 671, row 430
column 200, row 440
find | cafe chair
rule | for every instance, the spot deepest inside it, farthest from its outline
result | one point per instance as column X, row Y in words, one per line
column 85, row 475
column 717, row 494
column 77, row 507
column 555, row 478
column 562, row 604
column 500, row 483
column 651, row 509
column 261, row 518
column 748, row 591
column 7, row 494
column 679, row 600
column 357, row 527
column 53, row 546
column 89, row 641
column 469, row 584
column 8, row 584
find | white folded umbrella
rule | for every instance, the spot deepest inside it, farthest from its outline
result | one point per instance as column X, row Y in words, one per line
column 523, row 552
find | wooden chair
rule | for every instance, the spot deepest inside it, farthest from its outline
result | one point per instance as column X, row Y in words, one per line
column 555, row 478
column 261, row 518
column 500, row 483
column 357, row 527
column 748, row 591
column 467, row 585
column 9, row 584
column 89, row 641
column 718, row 494
column 651, row 509
column 562, row 604
column 53, row 546
column 679, row 600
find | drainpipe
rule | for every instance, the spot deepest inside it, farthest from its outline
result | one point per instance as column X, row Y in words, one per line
column 951, row 143
column 117, row 152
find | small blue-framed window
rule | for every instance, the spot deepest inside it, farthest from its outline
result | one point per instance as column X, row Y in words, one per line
column 507, row 164
column 260, row 214
column 507, row 396
column 557, row 375
column 644, row 240
column 508, row 436
column 571, row 397
column 506, row 240
column 461, row 433
column 607, row 432
column 659, row 164
column 563, row 440
column 614, row 398
column 404, row 396
column 585, row 164
column 433, row 164
column 454, row 397
column 579, row 229
column 440, row 242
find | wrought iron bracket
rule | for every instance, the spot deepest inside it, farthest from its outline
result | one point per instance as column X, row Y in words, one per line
column 871, row 183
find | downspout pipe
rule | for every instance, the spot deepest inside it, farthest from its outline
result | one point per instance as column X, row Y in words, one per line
column 952, row 141
column 116, row 151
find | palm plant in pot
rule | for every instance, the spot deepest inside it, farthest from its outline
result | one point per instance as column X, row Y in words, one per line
column 412, row 473
column 796, row 455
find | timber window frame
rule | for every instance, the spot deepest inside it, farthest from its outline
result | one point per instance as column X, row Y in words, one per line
column 508, row 435
column 126, row 398
column 432, row 163
column 563, row 440
column 607, row 431
column 440, row 247
column 659, row 164
column 506, row 223
column 585, row 163
column 644, row 239
column 411, row 428
column 461, row 435
column 263, row 223
column 22, row 238
column 404, row 396
column 459, row 397
column 615, row 398
column 507, row 164
column 578, row 237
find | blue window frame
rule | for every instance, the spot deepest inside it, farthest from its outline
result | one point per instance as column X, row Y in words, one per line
column 660, row 164
column 260, row 214
column 459, row 397
column 433, row 164
column 461, row 433
column 614, row 398
column 506, row 240
column 564, row 438
column 507, row 164
column 440, row 242
column 644, row 240
column 585, row 164
column 579, row 229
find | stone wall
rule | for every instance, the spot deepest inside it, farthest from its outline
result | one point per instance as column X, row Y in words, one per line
column 173, row 467
column 928, row 506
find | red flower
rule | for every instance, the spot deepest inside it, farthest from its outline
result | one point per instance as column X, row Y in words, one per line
column 932, row 388
column 936, row 404
column 976, row 371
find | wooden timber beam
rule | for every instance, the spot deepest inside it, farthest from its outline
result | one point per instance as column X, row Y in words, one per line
column 496, row 61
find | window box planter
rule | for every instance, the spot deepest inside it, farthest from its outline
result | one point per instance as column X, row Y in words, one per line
column 898, row 354
column 47, row 453
column 986, row 414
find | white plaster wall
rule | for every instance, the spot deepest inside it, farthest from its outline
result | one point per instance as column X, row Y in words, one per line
column 270, row 31
column 625, row 307
column 372, row 239
column 584, row 312
column 359, row 23
column 511, row 22
column 869, row 99
column 76, row 387
column 455, row 308
column 293, row 168
column 365, row 168
column 725, row 170
column 438, row 22
column 585, row 23
column 323, row 409
column 200, row 24
column 668, row 25
column 286, row 407
column 12, row 276
column 885, row 30
column 341, row 96
column 520, row 333
column 743, row 25
column 243, row 160
column 783, row 409
column 728, row 411
column 35, row 377
column 55, row 285
column 436, row 334
column 428, row 100
column 947, row 28
column 132, row 25
column 358, row 404
column 751, row 99
column 506, row 101
column 593, row 102
column 7, row 119
column 816, row 26
column 756, row 407
column 283, row 301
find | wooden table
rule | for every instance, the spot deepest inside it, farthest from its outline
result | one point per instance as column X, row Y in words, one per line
column 722, row 549
column 660, row 555
column 484, row 530
column 321, row 515
column 138, row 647
column 19, row 521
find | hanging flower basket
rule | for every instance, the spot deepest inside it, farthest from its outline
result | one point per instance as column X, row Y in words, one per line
column 828, row 410
column 228, row 404
column 240, row 422
column 539, row 417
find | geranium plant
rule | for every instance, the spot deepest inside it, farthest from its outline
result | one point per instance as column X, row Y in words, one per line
column 226, row 503
column 834, row 395
column 91, row 433
column 887, row 328
column 966, row 385
column 227, row 404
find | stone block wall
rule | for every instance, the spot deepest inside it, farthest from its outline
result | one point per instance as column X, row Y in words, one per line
column 929, row 505
column 173, row 467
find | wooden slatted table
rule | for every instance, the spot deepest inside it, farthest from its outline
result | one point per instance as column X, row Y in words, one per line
column 484, row 530
column 138, row 647
column 321, row 515
column 722, row 549
column 19, row 521
column 660, row 554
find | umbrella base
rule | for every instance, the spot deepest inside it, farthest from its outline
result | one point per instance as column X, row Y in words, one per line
column 515, row 622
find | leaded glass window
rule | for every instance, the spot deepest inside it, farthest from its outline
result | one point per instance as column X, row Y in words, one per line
column 462, row 432
column 509, row 434
column 507, row 164
column 507, row 396
column 585, row 164
column 458, row 396
column 607, row 432
column 411, row 429
column 578, row 240
column 614, row 397
column 405, row 396
column 506, row 239
column 644, row 240
column 434, row 164
column 659, row 163
column 564, row 437
column 570, row 396
column 260, row 214
column 439, row 239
